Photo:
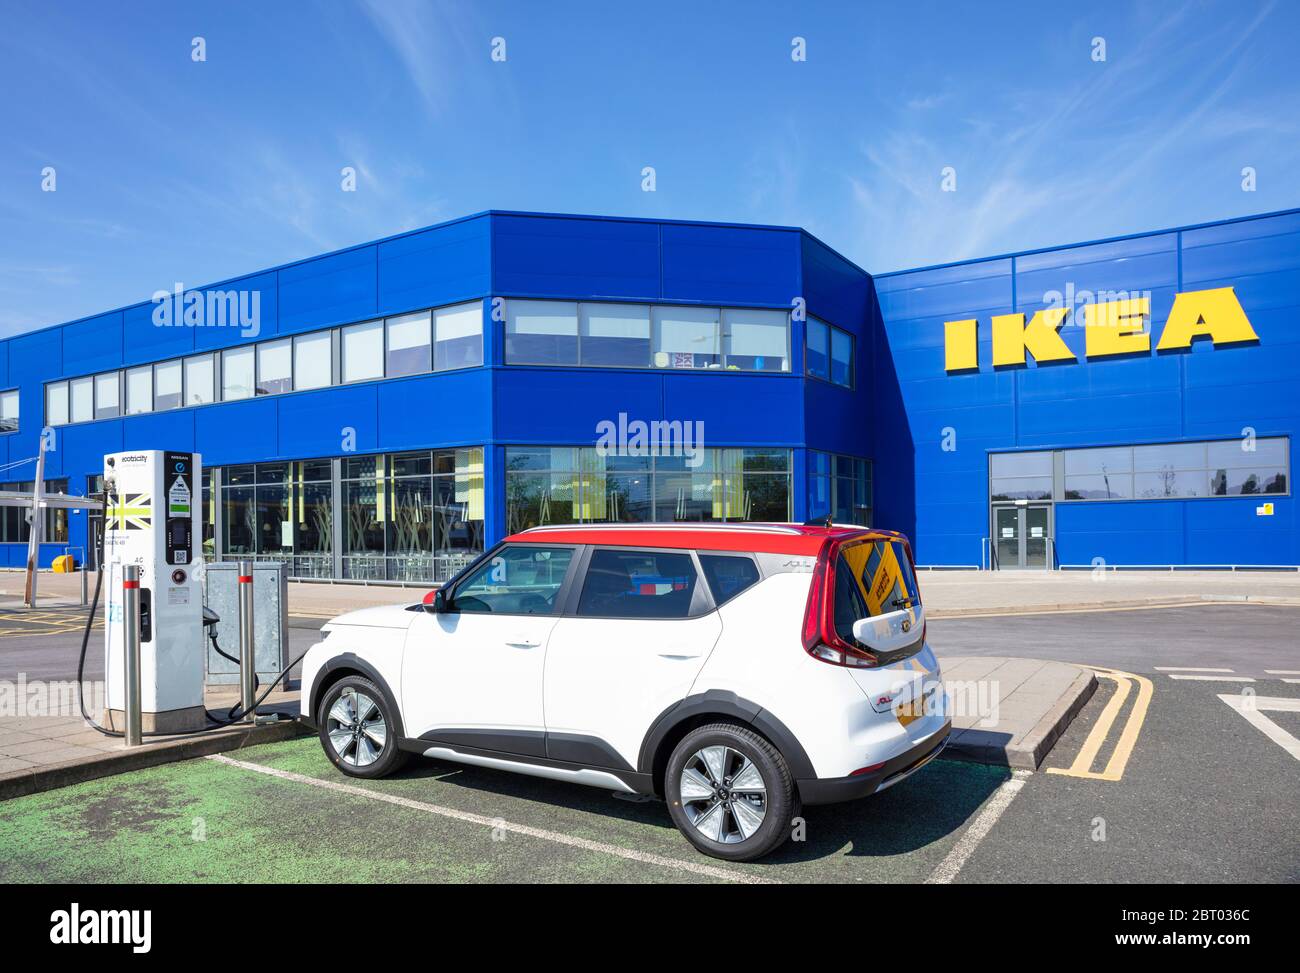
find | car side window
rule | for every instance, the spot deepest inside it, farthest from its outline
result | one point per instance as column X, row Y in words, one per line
column 628, row 583
column 728, row 574
column 517, row 580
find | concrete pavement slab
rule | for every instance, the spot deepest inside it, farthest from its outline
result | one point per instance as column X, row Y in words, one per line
column 1009, row 712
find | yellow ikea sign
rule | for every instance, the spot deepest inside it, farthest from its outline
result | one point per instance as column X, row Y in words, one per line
column 1110, row 328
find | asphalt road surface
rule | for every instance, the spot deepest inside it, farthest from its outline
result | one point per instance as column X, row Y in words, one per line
column 1209, row 792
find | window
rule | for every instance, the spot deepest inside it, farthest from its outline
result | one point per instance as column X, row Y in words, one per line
column 167, row 386
column 9, row 411
column 518, row 580
column 363, row 351
column 83, row 399
column 199, row 379
column 408, row 345
column 107, row 396
column 872, row 578
column 275, row 367
column 56, row 404
column 313, row 360
column 139, row 390
column 839, row 487
column 623, row 583
column 817, row 349
column 1021, row 476
column 238, row 367
column 1160, row 471
column 686, row 337
column 841, row 358
column 614, row 335
column 756, row 340
column 458, row 336
column 728, row 574
column 541, row 333
column 565, row 485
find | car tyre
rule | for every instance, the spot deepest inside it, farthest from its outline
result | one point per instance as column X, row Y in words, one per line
column 730, row 792
column 357, row 729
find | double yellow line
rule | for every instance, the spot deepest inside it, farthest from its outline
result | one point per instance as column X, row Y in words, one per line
column 1124, row 681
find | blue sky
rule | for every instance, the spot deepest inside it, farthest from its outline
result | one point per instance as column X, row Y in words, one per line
column 170, row 170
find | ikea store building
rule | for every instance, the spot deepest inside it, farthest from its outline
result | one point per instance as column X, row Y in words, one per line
column 384, row 412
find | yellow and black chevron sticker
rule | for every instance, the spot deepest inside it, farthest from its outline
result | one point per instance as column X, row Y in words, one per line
column 132, row 513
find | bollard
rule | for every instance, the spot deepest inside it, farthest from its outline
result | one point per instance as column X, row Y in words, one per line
column 247, row 662
column 85, row 593
column 131, row 649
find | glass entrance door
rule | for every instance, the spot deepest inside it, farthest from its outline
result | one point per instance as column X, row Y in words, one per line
column 1021, row 536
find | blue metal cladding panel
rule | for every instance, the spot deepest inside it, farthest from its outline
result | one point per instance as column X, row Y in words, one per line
column 81, row 448
column 335, row 289
column 93, row 345
column 160, row 430
column 1205, row 392
column 432, row 410
column 257, row 296
column 740, row 265
column 736, row 409
column 238, row 432
column 330, row 422
column 575, row 258
column 564, row 406
column 145, row 341
column 433, row 267
column 33, row 359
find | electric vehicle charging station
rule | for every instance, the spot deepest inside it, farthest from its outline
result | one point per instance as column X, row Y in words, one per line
column 152, row 521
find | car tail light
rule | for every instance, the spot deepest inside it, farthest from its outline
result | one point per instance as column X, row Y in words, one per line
column 819, row 636
column 428, row 598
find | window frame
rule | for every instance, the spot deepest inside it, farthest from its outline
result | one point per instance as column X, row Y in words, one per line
column 562, row 596
column 18, row 403
column 702, row 602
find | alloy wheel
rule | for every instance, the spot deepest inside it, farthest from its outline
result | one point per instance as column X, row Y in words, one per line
column 356, row 727
column 723, row 794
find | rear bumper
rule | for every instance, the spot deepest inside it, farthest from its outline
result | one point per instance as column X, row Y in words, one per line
column 835, row 790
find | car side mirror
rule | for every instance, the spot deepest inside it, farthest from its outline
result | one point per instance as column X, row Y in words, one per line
column 890, row 632
column 435, row 602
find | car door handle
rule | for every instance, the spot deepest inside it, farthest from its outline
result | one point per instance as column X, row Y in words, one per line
column 523, row 643
column 679, row 655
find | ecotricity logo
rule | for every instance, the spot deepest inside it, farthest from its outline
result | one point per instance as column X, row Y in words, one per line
column 212, row 308
column 73, row 926
column 658, row 437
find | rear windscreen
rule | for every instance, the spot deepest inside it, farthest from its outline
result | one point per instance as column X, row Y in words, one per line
column 882, row 576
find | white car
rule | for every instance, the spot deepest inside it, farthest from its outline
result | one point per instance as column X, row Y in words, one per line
column 738, row 671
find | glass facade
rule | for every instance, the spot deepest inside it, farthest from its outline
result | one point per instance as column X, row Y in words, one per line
column 1161, row 471
column 439, row 339
column 14, row 528
column 839, row 487
column 401, row 517
column 576, row 484
column 599, row 335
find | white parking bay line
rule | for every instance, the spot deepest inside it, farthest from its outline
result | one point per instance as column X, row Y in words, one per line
column 1187, row 669
column 1174, row 675
column 695, row 868
column 947, row 869
column 1283, row 672
column 1253, row 710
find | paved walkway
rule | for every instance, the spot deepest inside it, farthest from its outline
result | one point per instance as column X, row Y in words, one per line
column 41, row 752
column 946, row 593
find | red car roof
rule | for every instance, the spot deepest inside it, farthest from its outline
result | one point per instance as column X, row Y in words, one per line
column 761, row 538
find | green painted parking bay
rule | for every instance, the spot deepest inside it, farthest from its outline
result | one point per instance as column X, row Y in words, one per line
column 299, row 820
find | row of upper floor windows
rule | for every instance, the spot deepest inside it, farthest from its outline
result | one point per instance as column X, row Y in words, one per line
column 555, row 333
